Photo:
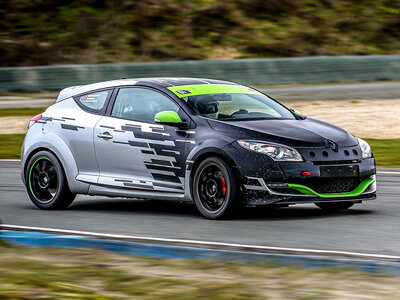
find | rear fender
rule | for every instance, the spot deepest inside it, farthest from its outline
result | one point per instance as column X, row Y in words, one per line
column 36, row 141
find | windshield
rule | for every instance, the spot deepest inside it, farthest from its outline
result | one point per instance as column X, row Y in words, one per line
column 237, row 103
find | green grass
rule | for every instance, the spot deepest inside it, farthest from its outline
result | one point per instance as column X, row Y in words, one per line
column 55, row 273
column 26, row 111
column 387, row 152
column 10, row 145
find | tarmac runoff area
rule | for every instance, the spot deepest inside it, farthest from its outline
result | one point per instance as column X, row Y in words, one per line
column 375, row 105
column 365, row 237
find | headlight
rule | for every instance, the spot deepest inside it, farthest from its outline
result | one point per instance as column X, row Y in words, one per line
column 276, row 151
column 365, row 148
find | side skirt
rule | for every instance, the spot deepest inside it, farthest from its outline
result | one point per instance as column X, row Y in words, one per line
column 133, row 193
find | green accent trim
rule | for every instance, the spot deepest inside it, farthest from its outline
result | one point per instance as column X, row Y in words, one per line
column 202, row 89
column 168, row 116
column 30, row 173
column 198, row 177
column 354, row 193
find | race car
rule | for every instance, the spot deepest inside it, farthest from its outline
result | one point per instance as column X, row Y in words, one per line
column 220, row 144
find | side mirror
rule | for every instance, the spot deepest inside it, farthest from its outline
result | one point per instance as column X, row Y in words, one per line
column 169, row 117
column 295, row 111
column 298, row 114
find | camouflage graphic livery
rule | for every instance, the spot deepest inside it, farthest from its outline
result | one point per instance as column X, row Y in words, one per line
column 219, row 144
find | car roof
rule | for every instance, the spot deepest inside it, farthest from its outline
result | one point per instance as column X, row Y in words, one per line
column 161, row 82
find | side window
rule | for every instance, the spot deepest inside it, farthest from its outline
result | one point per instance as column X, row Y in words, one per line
column 139, row 104
column 94, row 101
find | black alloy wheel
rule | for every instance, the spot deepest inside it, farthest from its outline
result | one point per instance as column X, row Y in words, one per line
column 46, row 182
column 214, row 189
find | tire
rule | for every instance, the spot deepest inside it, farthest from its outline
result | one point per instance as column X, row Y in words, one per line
column 215, row 189
column 336, row 206
column 46, row 183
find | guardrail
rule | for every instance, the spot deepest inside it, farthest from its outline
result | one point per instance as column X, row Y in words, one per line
column 246, row 71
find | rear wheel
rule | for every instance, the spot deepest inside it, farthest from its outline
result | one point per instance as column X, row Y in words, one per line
column 46, row 182
column 214, row 189
column 334, row 206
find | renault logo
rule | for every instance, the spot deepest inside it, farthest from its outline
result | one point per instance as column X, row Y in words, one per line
column 332, row 145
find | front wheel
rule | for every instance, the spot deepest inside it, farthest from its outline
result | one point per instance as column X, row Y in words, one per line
column 334, row 206
column 46, row 183
column 215, row 189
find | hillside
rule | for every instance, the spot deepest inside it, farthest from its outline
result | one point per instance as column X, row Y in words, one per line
column 44, row 32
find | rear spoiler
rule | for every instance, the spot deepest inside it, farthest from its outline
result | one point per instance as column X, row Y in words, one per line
column 66, row 93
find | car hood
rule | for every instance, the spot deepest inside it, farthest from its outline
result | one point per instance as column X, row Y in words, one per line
column 301, row 133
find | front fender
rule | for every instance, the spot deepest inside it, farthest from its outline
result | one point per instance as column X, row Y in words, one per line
column 36, row 140
column 210, row 146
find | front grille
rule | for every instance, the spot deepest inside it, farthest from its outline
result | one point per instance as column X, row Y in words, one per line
column 329, row 185
column 336, row 162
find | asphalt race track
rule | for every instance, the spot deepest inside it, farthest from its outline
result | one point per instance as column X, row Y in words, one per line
column 335, row 91
column 371, row 227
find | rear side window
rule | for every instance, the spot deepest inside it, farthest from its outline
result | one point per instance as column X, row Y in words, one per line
column 93, row 101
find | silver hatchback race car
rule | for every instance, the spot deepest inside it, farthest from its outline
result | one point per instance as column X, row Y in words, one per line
column 216, row 143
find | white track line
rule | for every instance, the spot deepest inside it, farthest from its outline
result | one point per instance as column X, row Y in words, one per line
column 388, row 172
column 242, row 247
column 9, row 160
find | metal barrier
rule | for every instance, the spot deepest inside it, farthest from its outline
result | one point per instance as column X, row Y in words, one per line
column 246, row 71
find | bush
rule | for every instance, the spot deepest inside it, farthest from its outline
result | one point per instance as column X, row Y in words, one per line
column 98, row 31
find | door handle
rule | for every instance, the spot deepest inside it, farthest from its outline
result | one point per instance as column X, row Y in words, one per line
column 105, row 135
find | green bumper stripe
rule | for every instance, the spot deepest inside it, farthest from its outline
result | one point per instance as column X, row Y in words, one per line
column 354, row 193
column 202, row 89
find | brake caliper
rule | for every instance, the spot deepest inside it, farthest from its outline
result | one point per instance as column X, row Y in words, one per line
column 223, row 183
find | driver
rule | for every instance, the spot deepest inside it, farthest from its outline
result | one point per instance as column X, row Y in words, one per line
column 206, row 106
column 209, row 109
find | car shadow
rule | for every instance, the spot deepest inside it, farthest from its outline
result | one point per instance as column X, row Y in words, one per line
column 140, row 206
column 296, row 212
column 176, row 209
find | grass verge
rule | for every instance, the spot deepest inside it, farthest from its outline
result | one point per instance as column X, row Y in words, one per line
column 55, row 273
column 10, row 145
column 387, row 152
column 26, row 111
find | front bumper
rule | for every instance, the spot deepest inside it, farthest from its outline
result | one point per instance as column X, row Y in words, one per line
column 325, row 167
column 285, row 193
column 279, row 200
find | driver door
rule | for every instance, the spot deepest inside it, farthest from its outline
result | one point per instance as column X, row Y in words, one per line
column 135, row 153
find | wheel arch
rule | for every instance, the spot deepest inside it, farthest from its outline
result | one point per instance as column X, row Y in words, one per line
column 196, row 158
column 55, row 145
